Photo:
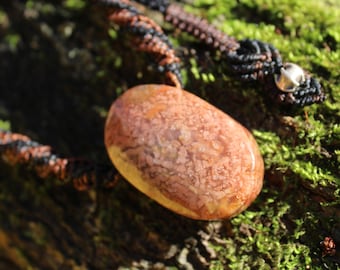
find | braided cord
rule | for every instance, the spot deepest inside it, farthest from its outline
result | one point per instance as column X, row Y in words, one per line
column 148, row 37
column 200, row 28
column 20, row 149
column 158, row 5
column 250, row 60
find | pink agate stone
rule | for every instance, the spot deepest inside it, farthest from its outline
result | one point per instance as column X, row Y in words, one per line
column 183, row 152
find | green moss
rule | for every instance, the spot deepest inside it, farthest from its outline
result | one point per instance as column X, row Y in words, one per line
column 5, row 125
column 74, row 4
column 272, row 237
column 299, row 204
column 302, row 150
column 13, row 41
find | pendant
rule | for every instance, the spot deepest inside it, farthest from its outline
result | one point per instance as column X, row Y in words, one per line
column 183, row 152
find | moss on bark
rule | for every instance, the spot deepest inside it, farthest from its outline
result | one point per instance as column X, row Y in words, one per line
column 61, row 66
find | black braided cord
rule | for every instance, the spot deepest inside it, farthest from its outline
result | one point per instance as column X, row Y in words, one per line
column 250, row 60
column 309, row 92
column 148, row 37
column 259, row 61
column 158, row 5
column 118, row 4
column 20, row 149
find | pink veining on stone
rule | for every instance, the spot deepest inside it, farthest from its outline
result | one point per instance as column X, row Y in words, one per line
column 192, row 153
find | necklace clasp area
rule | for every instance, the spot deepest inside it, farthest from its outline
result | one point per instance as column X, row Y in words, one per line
column 291, row 76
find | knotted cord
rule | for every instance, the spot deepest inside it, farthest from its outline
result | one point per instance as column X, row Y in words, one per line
column 20, row 149
column 249, row 59
column 148, row 37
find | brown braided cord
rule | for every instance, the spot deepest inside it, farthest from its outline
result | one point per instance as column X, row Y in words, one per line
column 200, row 28
column 148, row 37
column 19, row 149
column 251, row 59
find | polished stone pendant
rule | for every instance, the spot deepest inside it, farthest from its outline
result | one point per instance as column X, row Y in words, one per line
column 183, row 152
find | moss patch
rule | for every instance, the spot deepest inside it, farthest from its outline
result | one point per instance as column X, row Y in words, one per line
column 78, row 64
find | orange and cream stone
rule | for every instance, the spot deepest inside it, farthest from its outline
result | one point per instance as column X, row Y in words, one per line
column 183, row 152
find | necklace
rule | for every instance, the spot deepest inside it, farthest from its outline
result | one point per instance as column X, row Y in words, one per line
column 174, row 147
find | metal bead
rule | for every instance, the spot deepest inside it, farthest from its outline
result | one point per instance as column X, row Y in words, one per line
column 290, row 78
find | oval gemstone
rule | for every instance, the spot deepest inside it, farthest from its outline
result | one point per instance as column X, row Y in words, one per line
column 183, row 152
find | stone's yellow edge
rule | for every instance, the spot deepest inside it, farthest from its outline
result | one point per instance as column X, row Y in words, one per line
column 225, row 208
column 133, row 175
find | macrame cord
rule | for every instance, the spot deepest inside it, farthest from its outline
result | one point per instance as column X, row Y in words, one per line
column 250, row 60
